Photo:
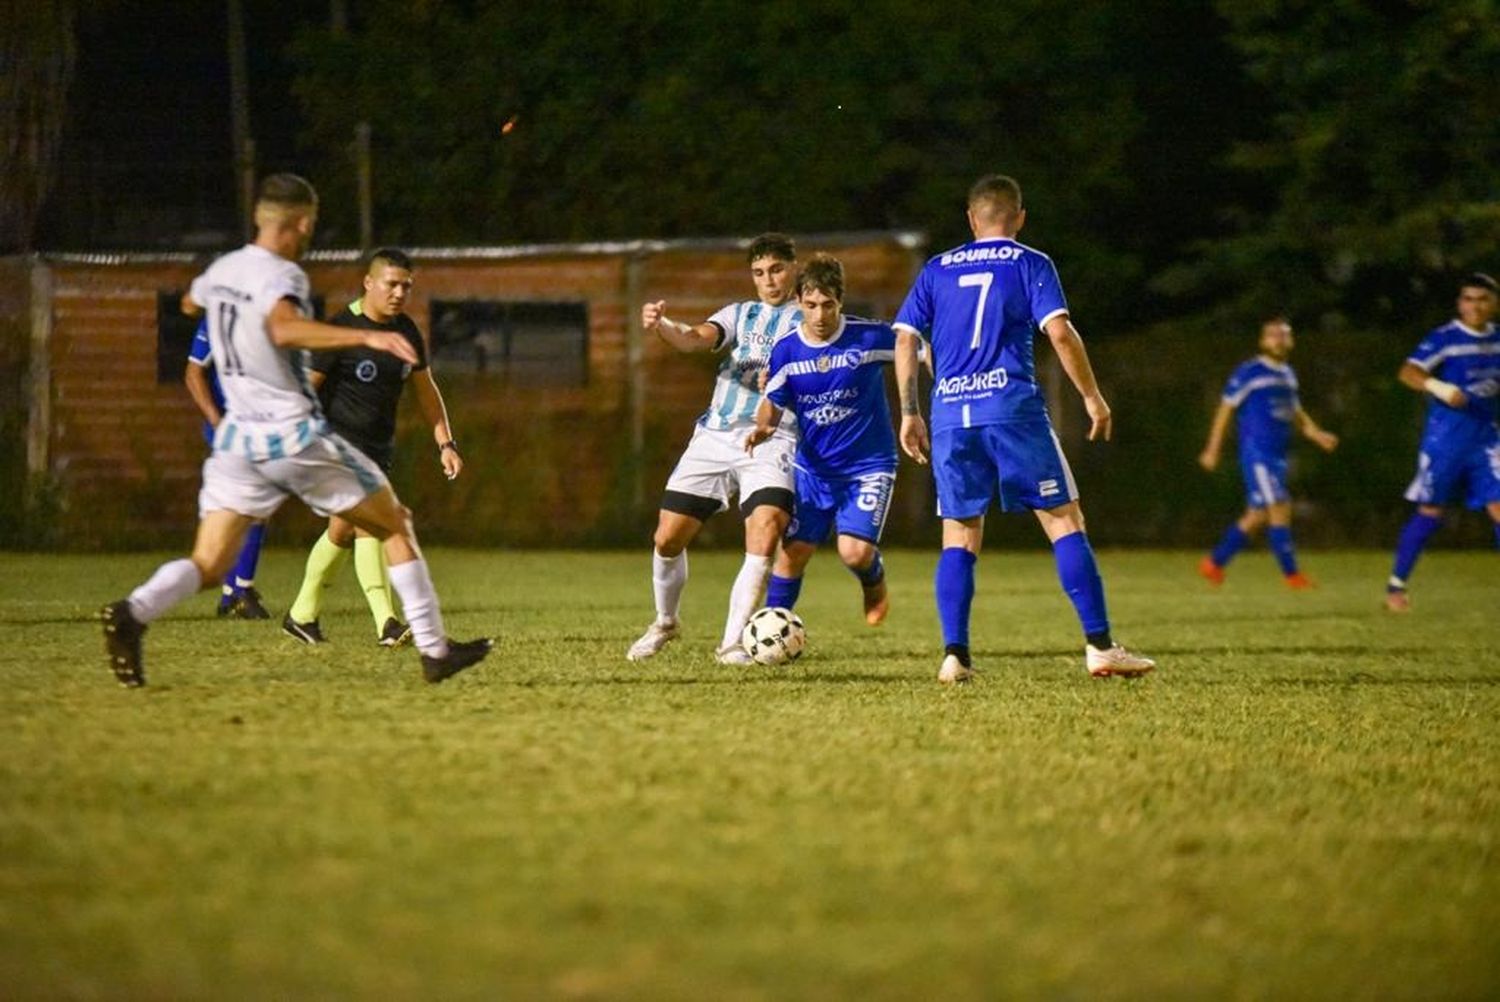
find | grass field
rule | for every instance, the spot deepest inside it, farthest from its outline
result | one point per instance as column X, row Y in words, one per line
column 1304, row 801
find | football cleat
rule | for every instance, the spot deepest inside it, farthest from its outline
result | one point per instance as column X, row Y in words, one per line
column 657, row 636
column 1115, row 660
column 122, row 642
column 308, row 633
column 461, row 655
column 877, row 602
column 1297, row 581
column 954, row 671
column 394, row 633
column 1397, row 601
column 734, row 655
column 245, row 605
column 1210, row 571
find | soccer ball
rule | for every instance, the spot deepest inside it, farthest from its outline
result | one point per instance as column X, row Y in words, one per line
column 774, row 637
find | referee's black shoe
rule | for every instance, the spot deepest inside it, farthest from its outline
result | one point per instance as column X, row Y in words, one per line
column 394, row 633
column 308, row 633
column 461, row 655
column 122, row 642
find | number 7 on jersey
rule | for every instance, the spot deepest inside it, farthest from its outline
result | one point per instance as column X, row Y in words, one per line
column 983, row 280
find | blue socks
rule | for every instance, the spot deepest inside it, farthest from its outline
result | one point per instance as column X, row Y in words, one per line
column 871, row 575
column 1414, row 535
column 1233, row 542
column 955, row 596
column 782, row 592
column 1280, row 538
column 243, row 575
column 1079, row 573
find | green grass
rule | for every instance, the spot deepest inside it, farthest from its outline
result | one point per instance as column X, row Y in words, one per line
column 1304, row 801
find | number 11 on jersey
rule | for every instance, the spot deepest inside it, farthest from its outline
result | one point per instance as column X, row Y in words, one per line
column 982, row 279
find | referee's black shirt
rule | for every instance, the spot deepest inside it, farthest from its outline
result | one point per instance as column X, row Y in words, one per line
column 363, row 387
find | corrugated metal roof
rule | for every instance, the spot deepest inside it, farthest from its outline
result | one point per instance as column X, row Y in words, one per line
column 907, row 239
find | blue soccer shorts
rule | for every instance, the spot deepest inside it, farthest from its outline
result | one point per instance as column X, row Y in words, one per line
column 1021, row 462
column 1445, row 476
column 855, row 506
column 1265, row 481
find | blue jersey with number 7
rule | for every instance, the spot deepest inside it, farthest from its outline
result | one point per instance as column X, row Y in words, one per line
column 979, row 306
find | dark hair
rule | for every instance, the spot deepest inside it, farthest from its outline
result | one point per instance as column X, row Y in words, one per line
column 777, row 245
column 1479, row 280
column 287, row 190
column 1001, row 192
column 1274, row 318
column 824, row 273
column 393, row 256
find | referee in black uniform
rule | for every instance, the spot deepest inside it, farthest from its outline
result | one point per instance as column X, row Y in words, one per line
column 360, row 390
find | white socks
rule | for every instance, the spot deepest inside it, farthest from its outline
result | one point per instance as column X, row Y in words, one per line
column 171, row 583
column 420, row 603
column 668, row 577
column 744, row 597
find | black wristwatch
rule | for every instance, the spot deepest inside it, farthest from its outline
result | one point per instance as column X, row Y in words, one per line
column 450, row 444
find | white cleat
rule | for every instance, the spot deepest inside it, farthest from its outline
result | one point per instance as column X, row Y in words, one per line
column 1114, row 661
column 734, row 655
column 953, row 671
column 657, row 636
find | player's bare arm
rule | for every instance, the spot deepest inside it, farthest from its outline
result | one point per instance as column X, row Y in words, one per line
column 1209, row 457
column 1075, row 362
column 683, row 337
column 1325, row 440
column 190, row 308
column 1417, row 378
column 767, row 420
column 913, row 434
column 196, row 379
column 290, row 329
column 430, row 399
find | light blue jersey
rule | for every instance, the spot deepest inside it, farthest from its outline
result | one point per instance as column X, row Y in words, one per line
column 980, row 306
column 1263, row 394
column 836, row 389
column 746, row 333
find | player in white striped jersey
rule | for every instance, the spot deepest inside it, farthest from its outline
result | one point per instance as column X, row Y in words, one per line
column 273, row 442
column 715, row 468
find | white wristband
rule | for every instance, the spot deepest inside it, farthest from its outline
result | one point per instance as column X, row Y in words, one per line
column 1446, row 392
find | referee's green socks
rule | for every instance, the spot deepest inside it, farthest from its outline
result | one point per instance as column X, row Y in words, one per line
column 323, row 565
column 375, row 579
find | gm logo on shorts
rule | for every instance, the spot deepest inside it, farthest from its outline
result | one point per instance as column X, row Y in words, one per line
column 365, row 371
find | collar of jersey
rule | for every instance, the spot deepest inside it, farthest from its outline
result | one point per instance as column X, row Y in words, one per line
column 1269, row 364
column 990, row 240
column 843, row 323
column 1488, row 329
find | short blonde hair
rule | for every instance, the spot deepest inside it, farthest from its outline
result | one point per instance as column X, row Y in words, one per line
column 996, row 195
column 284, row 196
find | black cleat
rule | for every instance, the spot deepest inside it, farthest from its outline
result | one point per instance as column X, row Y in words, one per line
column 461, row 654
column 308, row 633
column 246, row 605
column 394, row 633
column 122, row 642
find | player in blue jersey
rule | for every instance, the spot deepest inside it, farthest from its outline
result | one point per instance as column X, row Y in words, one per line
column 715, row 468
column 980, row 306
column 239, row 598
column 1458, row 367
column 1263, row 392
column 829, row 373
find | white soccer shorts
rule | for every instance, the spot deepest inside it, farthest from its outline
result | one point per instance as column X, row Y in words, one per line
column 715, row 465
column 330, row 476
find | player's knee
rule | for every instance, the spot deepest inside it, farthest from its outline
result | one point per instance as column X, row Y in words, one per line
column 1253, row 519
column 856, row 553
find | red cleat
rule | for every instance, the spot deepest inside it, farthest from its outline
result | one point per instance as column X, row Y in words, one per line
column 1299, row 582
column 1210, row 571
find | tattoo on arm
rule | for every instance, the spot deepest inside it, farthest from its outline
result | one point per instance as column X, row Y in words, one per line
column 908, row 393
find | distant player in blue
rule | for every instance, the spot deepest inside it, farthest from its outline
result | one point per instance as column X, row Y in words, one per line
column 980, row 306
column 829, row 373
column 239, row 599
column 1263, row 393
column 1458, row 366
